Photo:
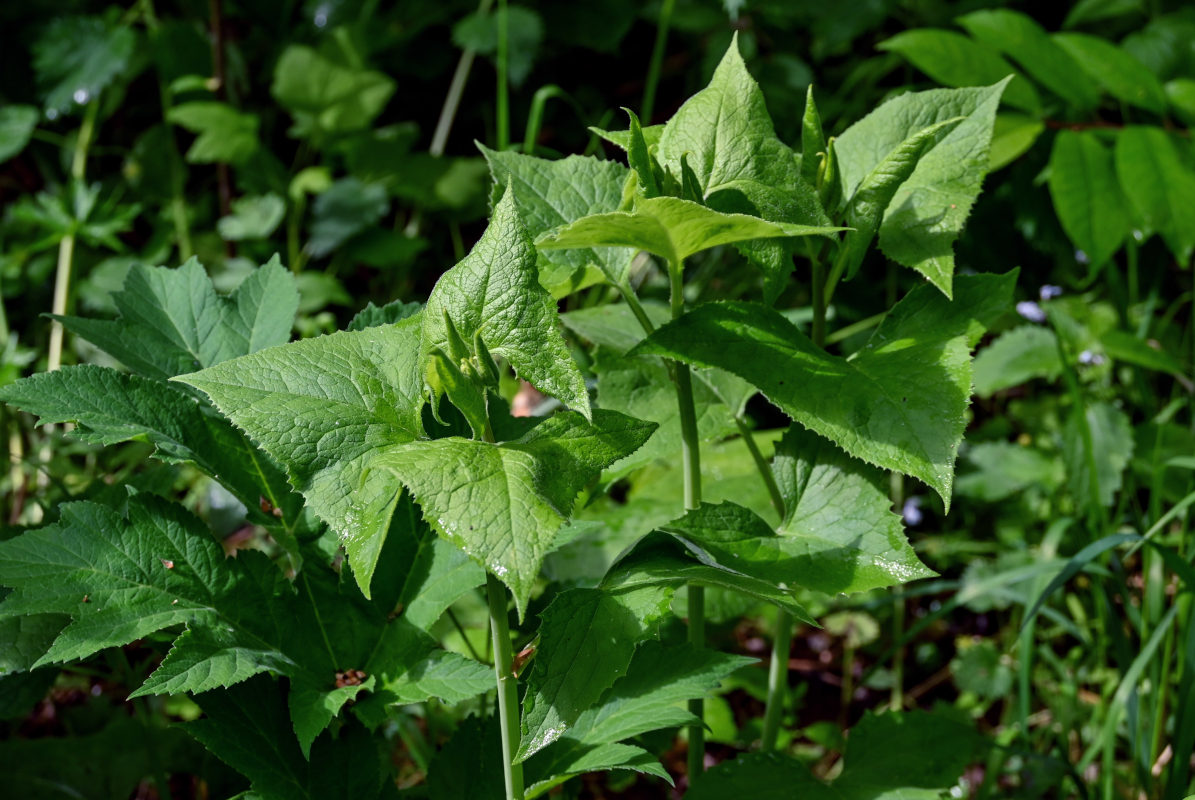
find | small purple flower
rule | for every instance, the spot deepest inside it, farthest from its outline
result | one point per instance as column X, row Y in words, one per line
column 1092, row 359
column 911, row 512
column 1031, row 311
column 1049, row 292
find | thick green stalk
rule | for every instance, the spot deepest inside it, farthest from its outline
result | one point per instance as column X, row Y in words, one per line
column 657, row 61
column 777, row 679
column 508, row 689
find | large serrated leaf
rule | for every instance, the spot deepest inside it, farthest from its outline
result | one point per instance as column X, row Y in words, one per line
column 839, row 512
column 554, row 193
column 586, row 640
column 503, row 503
column 111, row 407
column 927, row 213
column 671, row 228
column 494, row 293
column 898, row 403
column 173, row 322
column 322, row 407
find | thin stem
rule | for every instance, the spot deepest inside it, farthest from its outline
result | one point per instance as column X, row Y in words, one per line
column 657, row 61
column 777, row 679
column 503, row 88
column 508, row 691
column 896, row 491
column 628, row 294
column 66, row 247
column 216, row 14
column 691, row 464
column 761, row 466
column 820, row 301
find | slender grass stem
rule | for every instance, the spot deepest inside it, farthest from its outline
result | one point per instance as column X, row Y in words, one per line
column 503, row 104
column 657, row 61
column 508, row 690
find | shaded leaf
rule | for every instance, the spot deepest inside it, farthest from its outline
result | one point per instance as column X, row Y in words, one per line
column 1087, row 197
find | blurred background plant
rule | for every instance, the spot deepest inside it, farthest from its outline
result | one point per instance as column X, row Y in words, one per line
column 340, row 134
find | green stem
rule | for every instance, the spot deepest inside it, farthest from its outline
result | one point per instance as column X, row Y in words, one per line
column 782, row 641
column 66, row 247
column 761, row 465
column 657, row 61
column 508, row 690
column 535, row 118
column 503, row 88
column 896, row 491
column 691, row 464
column 820, row 301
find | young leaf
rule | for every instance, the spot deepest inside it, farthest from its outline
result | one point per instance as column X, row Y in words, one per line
column 953, row 59
column 494, row 293
column 173, row 322
column 76, row 58
column 1087, row 197
column 586, row 640
column 111, row 407
column 1023, row 40
column 553, row 193
column 225, row 135
column 927, row 212
column 838, row 512
column 726, row 133
column 813, row 140
column 322, row 408
column 907, row 388
column 503, row 503
column 17, row 124
column 671, row 228
column 1160, row 186
column 866, row 208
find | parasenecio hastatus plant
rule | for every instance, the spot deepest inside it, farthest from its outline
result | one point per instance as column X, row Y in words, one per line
column 393, row 443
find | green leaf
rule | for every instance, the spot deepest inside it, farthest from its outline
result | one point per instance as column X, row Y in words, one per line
column 25, row 639
column 1023, row 40
column 907, row 389
column 673, row 557
column 494, row 294
column 16, row 126
column 1159, row 185
column 372, row 316
column 726, row 133
column 839, row 515
column 437, row 573
column 347, row 208
column 546, row 774
column 312, row 709
column 254, row 217
column 479, row 32
column 503, row 503
column 225, row 135
column 956, row 60
column 649, row 696
column 76, row 58
column 1111, row 445
column 111, row 407
column 327, row 98
column 247, row 727
column 409, row 667
column 1012, row 135
column 553, row 193
column 1016, row 356
column 121, row 579
column 912, row 755
column 172, row 321
column 671, row 228
column 813, row 139
column 1116, row 70
column 322, row 408
column 928, row 211
column 866, row 208
column 1124, row 346
column 586, row 640
column 1005, row 469
column 1087, row 197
